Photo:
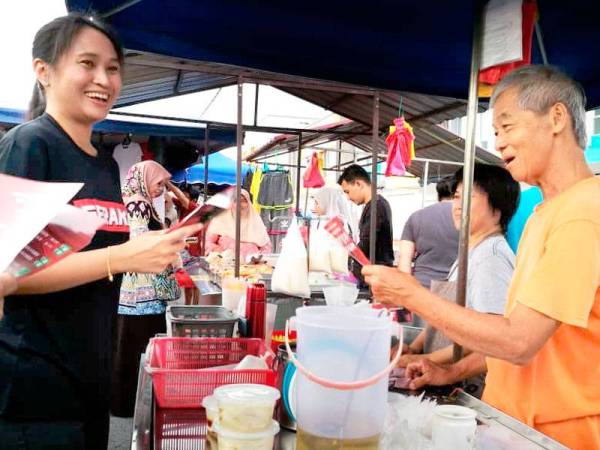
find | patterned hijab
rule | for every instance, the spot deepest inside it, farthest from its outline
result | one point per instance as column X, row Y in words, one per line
column 140, row 178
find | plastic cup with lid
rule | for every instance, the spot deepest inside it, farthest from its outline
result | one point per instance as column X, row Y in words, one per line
column 210, row 404
column 453, row 427
column 246, row 408
column 260, row 440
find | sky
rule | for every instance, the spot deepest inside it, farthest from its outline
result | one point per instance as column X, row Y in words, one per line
column 20, row 21
column 18, row 25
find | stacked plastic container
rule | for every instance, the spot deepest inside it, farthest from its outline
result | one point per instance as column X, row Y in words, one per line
column 245, row 416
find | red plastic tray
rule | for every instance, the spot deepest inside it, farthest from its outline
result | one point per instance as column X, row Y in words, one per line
column 176, row 364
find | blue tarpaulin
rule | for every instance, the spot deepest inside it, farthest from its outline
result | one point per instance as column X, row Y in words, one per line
column 219, row 138
column 221, row 170
column 11, row 116
column 426, row 48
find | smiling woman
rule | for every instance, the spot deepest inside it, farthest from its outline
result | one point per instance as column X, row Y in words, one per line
column 56, row 333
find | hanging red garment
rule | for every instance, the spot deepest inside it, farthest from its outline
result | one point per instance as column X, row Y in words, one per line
column 494, row 74
column 400, row 144
column 146, row 152
column 313, row 178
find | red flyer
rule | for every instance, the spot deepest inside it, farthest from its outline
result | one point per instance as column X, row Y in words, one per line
column 38, row 227
column 214, row 206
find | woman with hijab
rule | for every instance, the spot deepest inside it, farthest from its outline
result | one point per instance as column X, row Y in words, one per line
column 143, row 298
column 254, row 238
column 332, row 202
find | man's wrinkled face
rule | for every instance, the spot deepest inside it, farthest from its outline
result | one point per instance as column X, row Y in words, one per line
column 523, row 138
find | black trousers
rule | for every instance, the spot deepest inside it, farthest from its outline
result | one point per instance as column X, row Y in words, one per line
column 91, row 434
column 132, row 336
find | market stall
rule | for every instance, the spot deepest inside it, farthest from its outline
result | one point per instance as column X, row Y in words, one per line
column 447, row 39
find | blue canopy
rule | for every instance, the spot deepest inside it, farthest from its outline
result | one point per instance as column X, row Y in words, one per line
column 11, row 116
column 221, row 170
column 422, row 47
column 219, row 138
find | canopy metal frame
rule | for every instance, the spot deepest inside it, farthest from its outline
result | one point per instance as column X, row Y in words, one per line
column 294, row 81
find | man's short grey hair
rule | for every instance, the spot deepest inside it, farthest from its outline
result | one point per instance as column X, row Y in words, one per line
column 540, row 87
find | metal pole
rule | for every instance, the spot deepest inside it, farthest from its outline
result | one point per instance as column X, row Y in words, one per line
column 256, row 103
column 425, row 180
column 339, row 155
column 467, row 185
column 238, row 178
column 206, row 153
column 298, row 174
column 123, row 6
column 540, row 41
column 445, row 141
column 226, row 125
column 374, row 160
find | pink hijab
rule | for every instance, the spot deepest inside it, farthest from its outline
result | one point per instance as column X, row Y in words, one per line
column 252, row 228
column 139, row 179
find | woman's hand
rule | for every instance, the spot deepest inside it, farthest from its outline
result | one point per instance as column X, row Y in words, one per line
column 392, row 287
column 179, row 195
column 151, row 252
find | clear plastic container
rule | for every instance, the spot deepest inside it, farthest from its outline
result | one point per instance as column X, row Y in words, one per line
column 233, row 289
column 344, row 345
column 340, row 295
column 211, row 405
column 246, row 408
column 454, row 427
column 262, row 440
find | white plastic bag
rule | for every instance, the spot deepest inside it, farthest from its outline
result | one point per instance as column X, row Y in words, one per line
column 339, row 257
column 320, row 248
column 290, row 275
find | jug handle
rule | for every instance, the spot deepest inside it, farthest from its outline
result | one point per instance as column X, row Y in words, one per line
column 340, row 385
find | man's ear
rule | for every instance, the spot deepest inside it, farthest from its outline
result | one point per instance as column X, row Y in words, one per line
column 560, row 118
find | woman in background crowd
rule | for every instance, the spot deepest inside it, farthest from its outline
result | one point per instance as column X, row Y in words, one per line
column 332, row 202
column 220, row 235
column 142, row 303
column 491, row 264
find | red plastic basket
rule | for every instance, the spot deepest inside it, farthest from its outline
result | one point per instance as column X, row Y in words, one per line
column 175, row 366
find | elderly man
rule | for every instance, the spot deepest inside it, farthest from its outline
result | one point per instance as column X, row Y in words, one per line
column 542, row 355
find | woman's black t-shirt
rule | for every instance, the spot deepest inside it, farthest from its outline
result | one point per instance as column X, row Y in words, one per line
column 55, row 349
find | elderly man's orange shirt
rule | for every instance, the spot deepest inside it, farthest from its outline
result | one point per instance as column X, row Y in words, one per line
column 557, row 273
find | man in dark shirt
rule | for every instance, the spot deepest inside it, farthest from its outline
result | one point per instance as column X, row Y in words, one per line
column 356, row 183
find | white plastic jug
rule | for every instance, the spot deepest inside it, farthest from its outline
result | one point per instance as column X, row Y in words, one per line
column 343, row 362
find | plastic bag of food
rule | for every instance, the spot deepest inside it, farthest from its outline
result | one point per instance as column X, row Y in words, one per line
column 320, row 247
column 338, row 256
column 290, row 275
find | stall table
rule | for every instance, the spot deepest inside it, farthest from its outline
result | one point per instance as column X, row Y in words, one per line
column 185, row 429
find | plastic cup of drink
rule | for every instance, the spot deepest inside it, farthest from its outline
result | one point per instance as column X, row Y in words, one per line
column 246, row 408
column 233, row 440
column 232, row 290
